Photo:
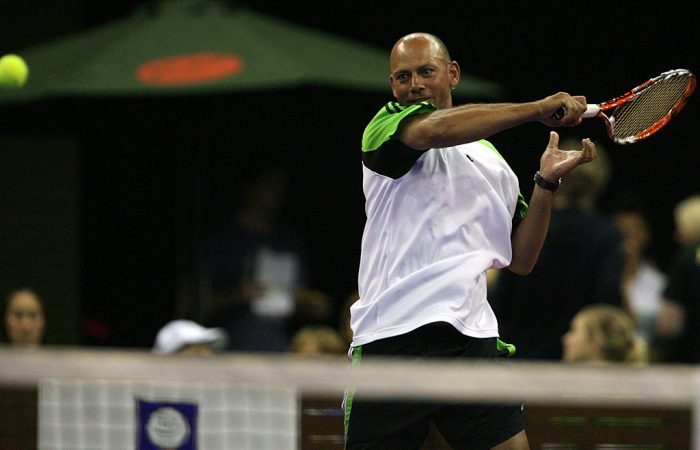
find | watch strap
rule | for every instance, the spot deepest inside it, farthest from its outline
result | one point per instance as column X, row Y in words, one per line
column 544, row 184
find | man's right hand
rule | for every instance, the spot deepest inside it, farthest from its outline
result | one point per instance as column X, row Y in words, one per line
column 574, row 106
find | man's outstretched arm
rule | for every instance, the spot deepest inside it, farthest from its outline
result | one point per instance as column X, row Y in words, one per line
column 469, row 123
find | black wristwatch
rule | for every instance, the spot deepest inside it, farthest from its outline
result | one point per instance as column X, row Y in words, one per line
column 544, row 184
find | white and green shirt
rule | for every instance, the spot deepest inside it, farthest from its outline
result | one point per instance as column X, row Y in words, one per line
column 436, row 221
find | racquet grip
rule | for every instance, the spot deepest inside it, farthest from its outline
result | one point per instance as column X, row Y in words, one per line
column 591, row 111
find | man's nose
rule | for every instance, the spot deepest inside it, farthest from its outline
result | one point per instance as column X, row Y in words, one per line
column 417, row 82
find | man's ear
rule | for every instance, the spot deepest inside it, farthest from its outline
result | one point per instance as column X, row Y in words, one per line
column 455, row 72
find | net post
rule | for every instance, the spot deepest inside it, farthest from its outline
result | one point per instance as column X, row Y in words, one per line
column 695, row 412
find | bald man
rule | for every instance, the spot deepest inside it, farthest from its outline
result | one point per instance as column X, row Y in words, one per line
column 443, row 206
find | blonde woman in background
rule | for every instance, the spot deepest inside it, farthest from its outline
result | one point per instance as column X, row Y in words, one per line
column 603, row 333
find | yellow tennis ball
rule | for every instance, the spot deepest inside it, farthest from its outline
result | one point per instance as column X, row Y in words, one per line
column 13, row 71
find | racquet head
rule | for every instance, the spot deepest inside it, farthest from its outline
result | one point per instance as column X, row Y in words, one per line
column 647, row 108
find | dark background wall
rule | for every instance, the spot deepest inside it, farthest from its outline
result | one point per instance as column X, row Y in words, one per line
column 133, row 159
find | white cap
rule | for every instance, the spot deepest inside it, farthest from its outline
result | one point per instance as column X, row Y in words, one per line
column 177, row 334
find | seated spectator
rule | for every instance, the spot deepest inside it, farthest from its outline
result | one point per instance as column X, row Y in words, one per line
column 24, row 318
column 680, row 311
column 318, row 340
column 255, row 274
column 603, row 333
column 187, row 337
column 643, row 283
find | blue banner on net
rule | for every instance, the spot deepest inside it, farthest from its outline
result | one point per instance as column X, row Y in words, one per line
column 166, row 425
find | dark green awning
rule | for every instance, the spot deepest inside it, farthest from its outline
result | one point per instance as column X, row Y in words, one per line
column 190, row 47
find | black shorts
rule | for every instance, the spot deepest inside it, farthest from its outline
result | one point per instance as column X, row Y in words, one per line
column 405, row 425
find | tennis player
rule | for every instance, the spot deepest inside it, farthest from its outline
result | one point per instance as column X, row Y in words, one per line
column 443, row 206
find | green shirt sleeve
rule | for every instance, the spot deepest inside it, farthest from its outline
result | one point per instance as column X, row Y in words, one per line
column 387, row 121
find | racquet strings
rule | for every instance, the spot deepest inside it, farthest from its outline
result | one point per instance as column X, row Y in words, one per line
column 648, row 107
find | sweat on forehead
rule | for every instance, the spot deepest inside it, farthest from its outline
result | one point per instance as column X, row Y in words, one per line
column 439, row 47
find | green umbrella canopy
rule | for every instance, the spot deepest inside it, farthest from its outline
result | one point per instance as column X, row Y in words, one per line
column 190, row 47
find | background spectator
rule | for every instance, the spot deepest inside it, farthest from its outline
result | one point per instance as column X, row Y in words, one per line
column 680, row 311
column 187, row 337
column 24, row 318
column 643, row 283
column 318, row 340
column 256, row 273
column 603, row 333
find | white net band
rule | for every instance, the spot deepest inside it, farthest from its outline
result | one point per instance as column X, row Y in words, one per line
column 553, row 383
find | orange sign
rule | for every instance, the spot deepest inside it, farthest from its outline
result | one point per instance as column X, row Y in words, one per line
column 189, row 69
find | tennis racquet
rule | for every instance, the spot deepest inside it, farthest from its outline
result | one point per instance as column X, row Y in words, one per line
column 645, row 109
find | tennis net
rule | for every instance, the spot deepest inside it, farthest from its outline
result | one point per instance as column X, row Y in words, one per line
column 109, row 398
